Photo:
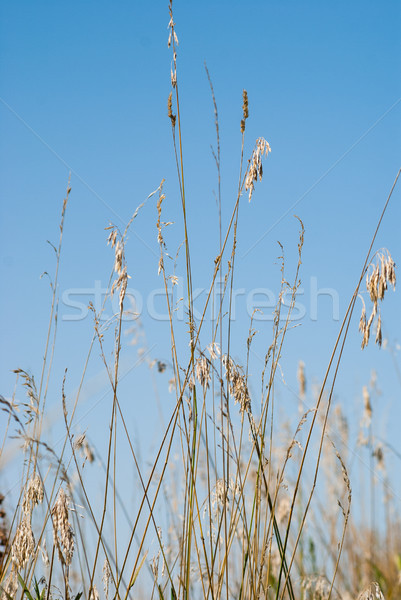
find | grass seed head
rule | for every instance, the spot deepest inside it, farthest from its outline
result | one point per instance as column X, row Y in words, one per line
column 214, row 350
column 10, row 588
column 23, row 547
column 301, row 379
column 378, row 277
column 255, row 168
column 245, row 111
column 237, row 385
column 372, row 592
column 170, row 109
column 63, row 534
column 106, row 578
column 33, row 494
column 202, row 370
column 367, row 407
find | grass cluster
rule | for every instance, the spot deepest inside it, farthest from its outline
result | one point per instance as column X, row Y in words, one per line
column 237, row 503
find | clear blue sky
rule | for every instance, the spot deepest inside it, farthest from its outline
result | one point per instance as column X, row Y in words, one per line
column 84, row 88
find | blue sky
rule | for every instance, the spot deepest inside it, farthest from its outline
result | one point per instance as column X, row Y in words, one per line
column 84, row 88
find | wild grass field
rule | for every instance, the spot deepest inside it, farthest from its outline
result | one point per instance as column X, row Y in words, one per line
column 237, row 499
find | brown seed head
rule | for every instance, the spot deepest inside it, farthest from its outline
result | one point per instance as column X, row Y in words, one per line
column 245, row 111
column 170, row 109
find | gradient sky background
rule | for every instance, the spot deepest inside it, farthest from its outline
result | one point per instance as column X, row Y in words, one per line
column 84, row 87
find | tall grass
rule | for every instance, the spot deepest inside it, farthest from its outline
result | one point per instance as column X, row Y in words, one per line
column 237, row 503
